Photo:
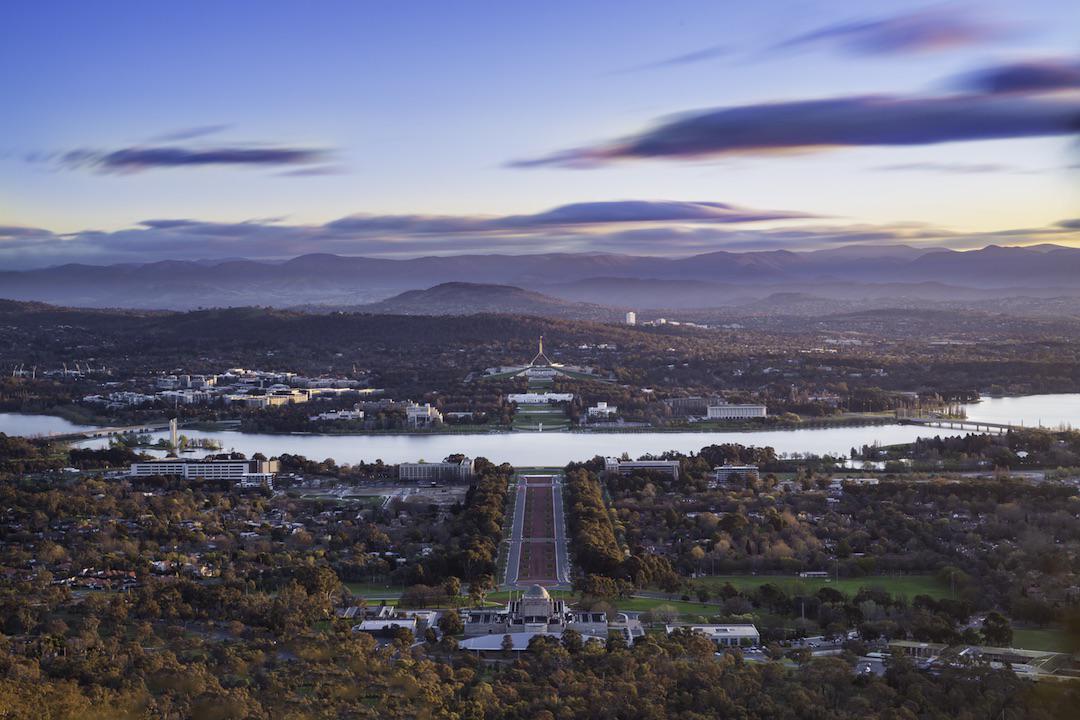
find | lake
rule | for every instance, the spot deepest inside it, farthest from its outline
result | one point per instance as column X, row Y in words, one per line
column 558, row 448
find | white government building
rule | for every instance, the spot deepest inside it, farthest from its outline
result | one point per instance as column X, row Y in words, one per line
column 424, row 471
column 539, row 398
column 249, row 473
column 602, row 409
column 535, row 612
column 729, row 411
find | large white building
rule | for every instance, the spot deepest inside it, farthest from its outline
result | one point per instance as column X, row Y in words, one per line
column 422, row 415
column 536, row 612
column 728, row 411
column 446, row 471
column 602, row 410
column 338, row 415
column 248, row 473
column 631, row 318
column 539, row 398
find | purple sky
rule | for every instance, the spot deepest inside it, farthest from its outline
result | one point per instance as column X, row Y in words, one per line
column 140, row 131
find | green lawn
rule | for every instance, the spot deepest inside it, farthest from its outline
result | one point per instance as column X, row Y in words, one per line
column 528, row 417
column 683, row 608
column 1054, row 639
column 374, row 590
column 909, row 585
column 632, row 604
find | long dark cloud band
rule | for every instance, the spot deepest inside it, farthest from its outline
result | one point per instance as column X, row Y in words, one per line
column 137, row 159
column 876, row 120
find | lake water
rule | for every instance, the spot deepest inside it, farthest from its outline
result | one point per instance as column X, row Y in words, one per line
column 1046, row 410
column 558, row 448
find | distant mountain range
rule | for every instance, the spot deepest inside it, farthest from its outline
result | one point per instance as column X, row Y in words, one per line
column 710, row 280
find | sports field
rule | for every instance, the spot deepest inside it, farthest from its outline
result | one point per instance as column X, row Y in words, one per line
column 1053, row 639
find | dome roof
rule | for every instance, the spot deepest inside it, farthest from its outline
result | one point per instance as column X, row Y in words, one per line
column 536, row 593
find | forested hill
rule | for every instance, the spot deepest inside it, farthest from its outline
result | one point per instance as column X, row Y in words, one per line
column 459, row 298
column 35, row 334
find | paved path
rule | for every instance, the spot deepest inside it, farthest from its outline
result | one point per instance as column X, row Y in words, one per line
column 513, row 559
column 562, row 546
column 541, row 484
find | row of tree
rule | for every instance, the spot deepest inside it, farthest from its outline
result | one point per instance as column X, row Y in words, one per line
column 604, row 567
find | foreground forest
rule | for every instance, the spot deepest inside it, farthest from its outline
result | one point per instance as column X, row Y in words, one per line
column 161, row 598
column 338, row 674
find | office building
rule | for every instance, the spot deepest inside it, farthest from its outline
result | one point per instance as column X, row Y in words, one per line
column 539, row 398
column 447, row 471
column 629, row 467
column 631, row 318
column 422, row 415
column 247, row 473
column 729, row 473
column 338, row 415
column 723, row 635
column 602, row 410
column 727, row 411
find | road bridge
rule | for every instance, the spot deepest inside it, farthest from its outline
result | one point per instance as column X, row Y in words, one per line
column 103, row 432
column 956, row 423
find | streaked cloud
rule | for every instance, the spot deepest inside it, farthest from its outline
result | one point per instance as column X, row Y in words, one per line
column 1033, row 76
column 572, row 215
column 947, row 168
column 702, row 55
column 149, row 157
column 926, row 30
column 190, row 133
column 817, row 125
column 1002, row 102
column 416, row 236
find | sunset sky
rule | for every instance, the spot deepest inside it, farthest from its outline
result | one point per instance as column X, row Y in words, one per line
column 136, row 131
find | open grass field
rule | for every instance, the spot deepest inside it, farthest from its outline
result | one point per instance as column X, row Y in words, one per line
column 631, row 604
column 529, row 418
column 1054, row 639
column 375, row 590
column 907, row 585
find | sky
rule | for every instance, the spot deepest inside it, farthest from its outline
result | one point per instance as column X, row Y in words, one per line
column 137, row 131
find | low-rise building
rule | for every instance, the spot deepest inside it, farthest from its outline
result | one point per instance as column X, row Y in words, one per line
column 728, row 411
column 386, row 626
column 628, row 467
column 422, row 415
column 732, row 473
column 332, row 415
column 545, row 398
column 602, row 410
column 724, row 635
column 535, row 612
column 247, row 473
